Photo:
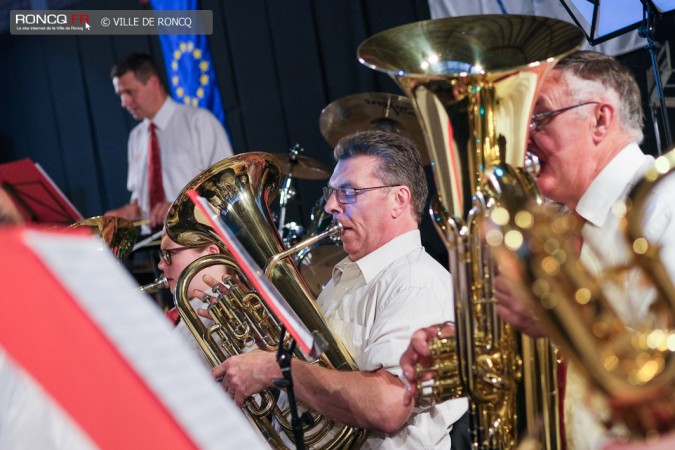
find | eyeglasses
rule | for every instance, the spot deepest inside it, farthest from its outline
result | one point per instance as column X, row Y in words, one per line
column 346, row 196
column 540, row 120
column 166, row 254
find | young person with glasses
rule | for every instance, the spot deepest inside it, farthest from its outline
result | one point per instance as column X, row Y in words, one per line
column 173, row 259
column 387, row 287
column 586, row 130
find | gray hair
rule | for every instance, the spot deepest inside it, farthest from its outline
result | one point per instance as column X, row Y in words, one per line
column 609, row 77
column 400, row 161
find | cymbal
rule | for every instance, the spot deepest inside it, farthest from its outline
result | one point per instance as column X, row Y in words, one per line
column 372, row 111
column 302, row 167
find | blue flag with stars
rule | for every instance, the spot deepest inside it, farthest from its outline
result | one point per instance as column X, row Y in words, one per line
column 190, row 73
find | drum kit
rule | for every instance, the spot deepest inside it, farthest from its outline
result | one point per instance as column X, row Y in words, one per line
column 316, row 261
column 358, row 112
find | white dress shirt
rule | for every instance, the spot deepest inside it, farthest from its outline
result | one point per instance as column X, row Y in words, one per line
column 605, row 246
column 375, row 305
column 184, row 332
column 190, row 140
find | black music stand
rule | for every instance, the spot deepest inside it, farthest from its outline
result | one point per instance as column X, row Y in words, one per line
column 601, row 20
column 36, row 196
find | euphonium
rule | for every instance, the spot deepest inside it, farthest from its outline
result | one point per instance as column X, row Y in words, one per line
column 578, row 307
column 155, row 286
column 473, row 82
column 241, row 188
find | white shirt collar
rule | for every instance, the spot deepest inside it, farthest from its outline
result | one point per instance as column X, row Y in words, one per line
column 611, row 184
column 161, row 119
column 376, row 261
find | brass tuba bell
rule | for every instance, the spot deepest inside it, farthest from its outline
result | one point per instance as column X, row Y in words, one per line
column 241, row 188
column 473, row 82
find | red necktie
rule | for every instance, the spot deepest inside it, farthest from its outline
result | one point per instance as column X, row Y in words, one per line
column 155, row 186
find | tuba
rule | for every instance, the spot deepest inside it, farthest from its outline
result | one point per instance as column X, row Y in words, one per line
column 623, row 361
column 473, row 82
column 117, row 233
column 241, row 188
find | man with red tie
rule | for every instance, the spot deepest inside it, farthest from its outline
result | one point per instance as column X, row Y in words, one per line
column 171, row 145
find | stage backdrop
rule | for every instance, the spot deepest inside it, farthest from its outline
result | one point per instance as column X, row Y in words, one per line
column 278, row 63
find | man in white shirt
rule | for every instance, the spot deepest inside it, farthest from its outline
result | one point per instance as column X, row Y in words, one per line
column 387, row 287
column 190, row 139
column 585, row 130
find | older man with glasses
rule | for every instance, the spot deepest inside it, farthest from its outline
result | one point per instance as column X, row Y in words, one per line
column 590, row 159
column 387, row 287
column 585, row 130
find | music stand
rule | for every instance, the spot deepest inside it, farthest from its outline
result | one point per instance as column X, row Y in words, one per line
column 36, row 196
column 601, row 20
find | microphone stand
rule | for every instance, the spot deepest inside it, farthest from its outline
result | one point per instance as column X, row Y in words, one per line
column 284, row 356
column 647, row 30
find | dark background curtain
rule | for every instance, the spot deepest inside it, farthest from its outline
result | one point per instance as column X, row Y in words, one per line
column 278, row 64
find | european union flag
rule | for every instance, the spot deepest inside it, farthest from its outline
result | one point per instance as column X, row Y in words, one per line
column 191, row 77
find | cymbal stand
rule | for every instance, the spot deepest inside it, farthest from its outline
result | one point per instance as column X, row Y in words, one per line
column 287, row 191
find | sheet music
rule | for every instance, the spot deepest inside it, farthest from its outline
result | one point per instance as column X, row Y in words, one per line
column 143, row 336
column 35, row 194
column 75, row 211
column 612, row 16
column 29, row 416
column 303, row 337
column 619, row 45
column 664, row 5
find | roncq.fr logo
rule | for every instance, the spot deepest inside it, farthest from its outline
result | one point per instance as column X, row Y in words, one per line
column 51, row 19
